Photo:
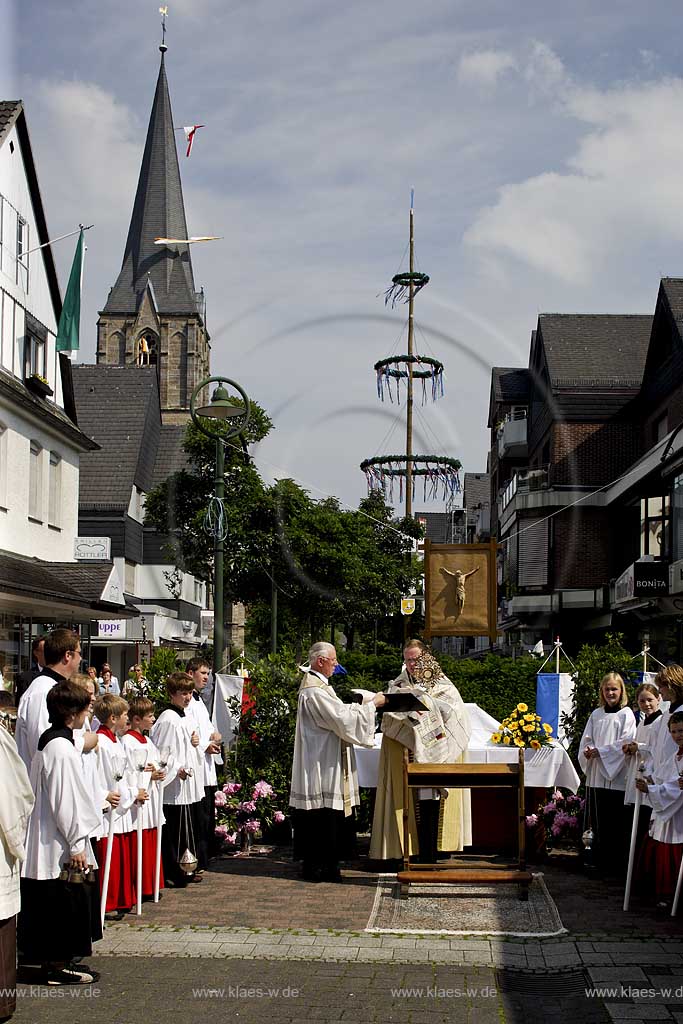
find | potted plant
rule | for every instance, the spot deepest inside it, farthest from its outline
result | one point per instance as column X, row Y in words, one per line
column 38, row 385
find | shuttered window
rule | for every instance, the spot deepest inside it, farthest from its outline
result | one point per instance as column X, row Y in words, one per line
column 532, row 557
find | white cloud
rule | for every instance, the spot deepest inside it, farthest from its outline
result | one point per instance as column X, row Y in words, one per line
column 623, row 182
column 484, row 67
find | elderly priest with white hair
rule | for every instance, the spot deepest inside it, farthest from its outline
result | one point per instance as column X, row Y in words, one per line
column 324, row 784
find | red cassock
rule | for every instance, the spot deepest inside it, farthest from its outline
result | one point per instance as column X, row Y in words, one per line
column 121, row 894
column 658, row 867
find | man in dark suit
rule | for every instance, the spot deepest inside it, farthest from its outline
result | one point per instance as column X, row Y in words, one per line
column 23, row 680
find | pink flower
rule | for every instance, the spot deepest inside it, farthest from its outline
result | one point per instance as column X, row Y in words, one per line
column 221, row 832
column 557, row 795
column 531, row 820
column 247, row 805
column 549, row 808
column 231, row 838
column 262, row 788
column 232, row 787
column 220, row 799
column 253, row 825
column 278, row 817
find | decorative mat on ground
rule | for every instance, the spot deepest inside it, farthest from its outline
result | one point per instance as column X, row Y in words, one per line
column 442, row 909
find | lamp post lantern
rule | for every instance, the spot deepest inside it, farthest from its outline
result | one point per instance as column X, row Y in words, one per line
column 236, row 418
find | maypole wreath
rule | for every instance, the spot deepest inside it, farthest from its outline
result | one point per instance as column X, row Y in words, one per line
column 400, row 288
column 390, row 372
column 439, row 473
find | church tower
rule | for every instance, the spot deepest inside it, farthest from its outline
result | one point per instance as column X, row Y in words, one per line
column 153, row 315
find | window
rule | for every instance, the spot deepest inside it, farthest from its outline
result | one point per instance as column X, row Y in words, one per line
column 35, row 347
column 35, row 482
column 677, row 521
column 654, row 526
column 55, row 491
column 129, row 580
column 22, row 247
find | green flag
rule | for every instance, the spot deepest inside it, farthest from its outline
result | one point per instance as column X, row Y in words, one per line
column 70, row 320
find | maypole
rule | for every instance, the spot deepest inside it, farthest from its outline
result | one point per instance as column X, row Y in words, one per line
column 439, row 473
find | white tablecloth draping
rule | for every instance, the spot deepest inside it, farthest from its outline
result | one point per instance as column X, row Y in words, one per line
column 547, row 767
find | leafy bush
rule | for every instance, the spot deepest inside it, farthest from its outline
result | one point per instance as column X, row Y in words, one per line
column 164, row 660
column 264, row 747
column 594, row 662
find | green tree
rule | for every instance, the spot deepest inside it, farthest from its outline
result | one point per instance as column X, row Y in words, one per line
column 592, row 663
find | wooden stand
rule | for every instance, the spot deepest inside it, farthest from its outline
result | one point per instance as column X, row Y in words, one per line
column 464, row 776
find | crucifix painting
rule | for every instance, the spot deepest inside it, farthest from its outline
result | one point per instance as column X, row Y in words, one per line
column 460, row 589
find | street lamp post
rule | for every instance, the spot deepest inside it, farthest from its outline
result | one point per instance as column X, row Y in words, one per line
column 236, row 417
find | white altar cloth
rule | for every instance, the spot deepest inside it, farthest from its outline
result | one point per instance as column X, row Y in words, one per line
column 550, row 766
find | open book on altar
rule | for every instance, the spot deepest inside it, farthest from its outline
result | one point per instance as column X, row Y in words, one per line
column 406, row 701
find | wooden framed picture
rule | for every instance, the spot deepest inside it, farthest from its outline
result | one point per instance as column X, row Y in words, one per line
column 460, row 589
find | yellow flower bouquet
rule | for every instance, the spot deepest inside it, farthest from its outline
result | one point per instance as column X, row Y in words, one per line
column 523, row 728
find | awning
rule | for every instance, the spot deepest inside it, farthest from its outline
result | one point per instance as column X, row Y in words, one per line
column 650, row 465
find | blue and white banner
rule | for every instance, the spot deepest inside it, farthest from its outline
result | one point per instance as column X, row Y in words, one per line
column 554, row 692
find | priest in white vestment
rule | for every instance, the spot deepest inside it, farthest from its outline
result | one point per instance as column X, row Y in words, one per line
column 324, row 787
column 445, row 824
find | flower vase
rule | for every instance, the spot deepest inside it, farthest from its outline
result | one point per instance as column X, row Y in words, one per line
column 245, row 842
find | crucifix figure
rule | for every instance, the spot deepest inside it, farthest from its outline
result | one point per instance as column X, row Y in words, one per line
column 460, row 594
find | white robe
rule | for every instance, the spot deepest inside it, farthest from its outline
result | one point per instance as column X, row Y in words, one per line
column 666, row 798
column 661, row 748
column 109, row 750
column 175, row 732
column 324, row 765
column 32, row 717
column 632, row 761
column 148, row 810
column 92, row 775
column 198, row 713
column 16, row 803
column 64, row 815
column 607, row 732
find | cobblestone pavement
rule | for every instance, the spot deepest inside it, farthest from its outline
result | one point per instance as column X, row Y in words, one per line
column 254, row 943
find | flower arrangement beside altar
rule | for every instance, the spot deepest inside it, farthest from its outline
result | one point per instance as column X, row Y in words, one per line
column 561, row 819
column 240, row 820
column 523, row 728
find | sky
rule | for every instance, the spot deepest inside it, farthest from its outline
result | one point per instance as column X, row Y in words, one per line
column 543, row 142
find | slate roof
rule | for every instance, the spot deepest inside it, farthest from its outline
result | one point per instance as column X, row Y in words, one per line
column 118, row 406
column 673, row 288
column 9, row 112
column 510, row 384
column 170, row 455
column 158, row 212
column 595, row 349
column 78, row 584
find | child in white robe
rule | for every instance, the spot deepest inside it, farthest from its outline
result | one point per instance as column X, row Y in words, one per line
column 60, row 919
column 112, row 712
column 661, row 855
column 601, row 757
column 661, row 747
column 636, row 753
column 176, row 733
column 141, row 751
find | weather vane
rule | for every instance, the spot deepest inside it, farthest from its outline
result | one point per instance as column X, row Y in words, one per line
column 163, row 11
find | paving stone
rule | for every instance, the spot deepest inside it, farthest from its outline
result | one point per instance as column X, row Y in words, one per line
column 622, row 1011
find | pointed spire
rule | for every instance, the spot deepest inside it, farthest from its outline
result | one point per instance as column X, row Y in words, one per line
column 158, row 212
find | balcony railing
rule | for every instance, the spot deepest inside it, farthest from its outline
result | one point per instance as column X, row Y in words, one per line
column 512, row 437
column 523, row 482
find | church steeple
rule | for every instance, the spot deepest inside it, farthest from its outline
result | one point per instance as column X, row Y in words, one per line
column 153, row 313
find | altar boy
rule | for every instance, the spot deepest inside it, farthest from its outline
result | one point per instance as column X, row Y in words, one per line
column 175, row 733
column 139, row 749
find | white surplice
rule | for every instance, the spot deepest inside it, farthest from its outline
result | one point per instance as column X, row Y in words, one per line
column 108, row 752
column 174, row 730
column 643, row 738
column 92, row 775
column 198, row 713
column 16, row 803
column 32, row 717
column 147, row 811
column 64, row 815
column 607, row 732
column 666, row 798
column 324, row 765
column 662, row 748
